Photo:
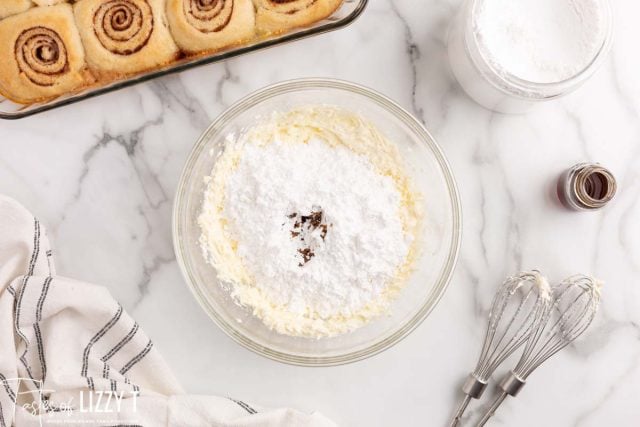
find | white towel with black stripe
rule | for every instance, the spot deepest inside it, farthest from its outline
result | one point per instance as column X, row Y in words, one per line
column 70, row 354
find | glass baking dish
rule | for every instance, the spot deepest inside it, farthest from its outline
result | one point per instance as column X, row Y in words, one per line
column 345, row 15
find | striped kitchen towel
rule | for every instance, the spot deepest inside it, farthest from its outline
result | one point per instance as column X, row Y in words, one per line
column 70, row 354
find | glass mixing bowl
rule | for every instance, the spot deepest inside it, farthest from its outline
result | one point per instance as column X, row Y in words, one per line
column 432, row 177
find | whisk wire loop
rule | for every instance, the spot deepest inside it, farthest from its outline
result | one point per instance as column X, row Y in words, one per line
column 575, row 303
column 517, row 309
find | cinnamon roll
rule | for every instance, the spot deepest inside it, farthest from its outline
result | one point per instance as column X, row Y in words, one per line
column 42, row 54
column 275, row 16
column 208, row 25
column 12, row 7
column 124, row 36
column 48, row 2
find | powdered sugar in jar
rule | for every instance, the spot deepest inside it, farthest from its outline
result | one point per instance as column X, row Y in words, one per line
column 509, row 55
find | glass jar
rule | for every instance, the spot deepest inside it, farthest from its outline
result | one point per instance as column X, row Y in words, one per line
column 586, row 187
column 499, row 90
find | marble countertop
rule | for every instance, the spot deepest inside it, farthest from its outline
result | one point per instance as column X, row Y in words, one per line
column 102, row 174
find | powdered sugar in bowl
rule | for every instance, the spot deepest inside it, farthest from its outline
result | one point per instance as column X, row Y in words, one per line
column 287, row 281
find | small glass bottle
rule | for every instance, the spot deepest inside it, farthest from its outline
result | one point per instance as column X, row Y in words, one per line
column 586, row 186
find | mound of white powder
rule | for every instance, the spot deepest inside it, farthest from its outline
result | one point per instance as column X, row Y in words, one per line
column 541, row 41
column 364, row 243
column 312, row 234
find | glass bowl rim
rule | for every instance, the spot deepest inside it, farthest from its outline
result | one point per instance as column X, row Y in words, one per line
column 408, row 120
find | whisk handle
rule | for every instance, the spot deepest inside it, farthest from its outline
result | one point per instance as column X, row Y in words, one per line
column 510, row 386
column 472, row 388
column 463, row 407
column 492, row 410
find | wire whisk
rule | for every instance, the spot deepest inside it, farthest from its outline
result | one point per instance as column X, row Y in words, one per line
column 575, row 303
column 518, row 308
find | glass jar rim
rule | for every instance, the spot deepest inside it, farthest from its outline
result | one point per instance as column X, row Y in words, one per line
column 516, row 86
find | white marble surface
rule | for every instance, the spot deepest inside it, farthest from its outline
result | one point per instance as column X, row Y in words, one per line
column 102, row 174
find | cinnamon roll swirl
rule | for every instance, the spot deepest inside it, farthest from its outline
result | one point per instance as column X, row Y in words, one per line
column 12, row 7
column 124, row 36
column 208, row 25
column 44, row 55
column 275, row 16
